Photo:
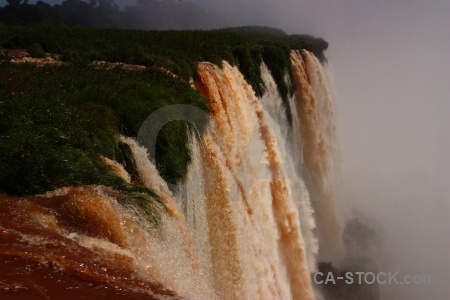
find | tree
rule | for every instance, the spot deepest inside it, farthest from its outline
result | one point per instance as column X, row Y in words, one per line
column 35, row 50
column 14, row 2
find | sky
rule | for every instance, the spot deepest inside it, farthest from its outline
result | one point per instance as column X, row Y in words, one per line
column 391, row 67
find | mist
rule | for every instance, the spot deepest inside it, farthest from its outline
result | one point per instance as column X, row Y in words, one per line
column 391, row 71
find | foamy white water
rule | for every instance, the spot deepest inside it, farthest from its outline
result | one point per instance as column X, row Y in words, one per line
column 290, row 140
column 242, row 224
column 175, row 255
column 257, row 246
column 315, row 110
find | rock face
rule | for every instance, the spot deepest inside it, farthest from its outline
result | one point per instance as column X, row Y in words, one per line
column 109, row 66
column 40, row 62
column 15, row 53
column 21, row 56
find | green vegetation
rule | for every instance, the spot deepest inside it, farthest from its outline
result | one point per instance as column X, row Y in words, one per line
column 35, row 50
column 145, row 201
column 55, row 122
column 177, row 51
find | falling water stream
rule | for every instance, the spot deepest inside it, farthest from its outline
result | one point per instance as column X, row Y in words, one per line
column 255, row 211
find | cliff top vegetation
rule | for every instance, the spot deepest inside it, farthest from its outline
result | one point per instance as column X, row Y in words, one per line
column 55, row 122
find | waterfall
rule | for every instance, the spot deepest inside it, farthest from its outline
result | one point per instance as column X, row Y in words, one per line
column 314, row 108
column 256, row 241
column 261, row 218
column 179, row 261
column 290, row 150
column 253, row 216
column 192, row 195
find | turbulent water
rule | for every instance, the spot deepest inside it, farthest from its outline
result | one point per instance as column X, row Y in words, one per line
column 315, row 110
column 242, row 225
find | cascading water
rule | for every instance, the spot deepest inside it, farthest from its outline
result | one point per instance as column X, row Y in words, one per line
column 259, row 213
column 290, row 150
column 241, row 227
column 315, row 111
column 256, row 242
column 193, row 198
column 179, row 261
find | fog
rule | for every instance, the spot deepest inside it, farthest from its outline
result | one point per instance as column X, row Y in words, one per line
column 391, row 67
